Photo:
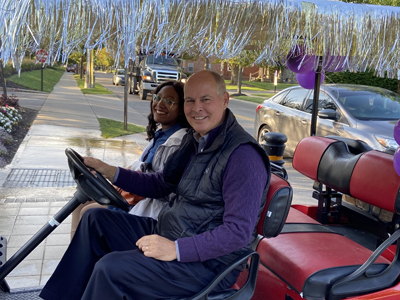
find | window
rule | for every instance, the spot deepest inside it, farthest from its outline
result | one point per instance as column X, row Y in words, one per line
column 325, row 102
column 278, row 98
column 295, row 98
column 190, row 67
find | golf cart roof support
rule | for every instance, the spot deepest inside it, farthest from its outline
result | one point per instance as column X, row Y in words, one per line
column 317, row 85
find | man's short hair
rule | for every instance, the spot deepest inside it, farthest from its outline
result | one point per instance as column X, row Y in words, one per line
column 221, row 87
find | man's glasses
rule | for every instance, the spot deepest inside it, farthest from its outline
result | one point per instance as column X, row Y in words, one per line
column 166, row 101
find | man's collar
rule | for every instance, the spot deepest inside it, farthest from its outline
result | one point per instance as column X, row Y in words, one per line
column 209, row 137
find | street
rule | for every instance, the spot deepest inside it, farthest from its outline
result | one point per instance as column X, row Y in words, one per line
column 243, row 110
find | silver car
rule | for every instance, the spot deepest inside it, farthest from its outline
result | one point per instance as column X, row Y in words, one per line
column 354, row 111
column 119, row 77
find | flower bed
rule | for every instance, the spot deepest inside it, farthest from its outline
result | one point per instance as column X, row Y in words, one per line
column 9, row 118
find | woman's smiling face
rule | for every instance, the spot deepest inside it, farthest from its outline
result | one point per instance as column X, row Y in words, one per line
column 165, row 107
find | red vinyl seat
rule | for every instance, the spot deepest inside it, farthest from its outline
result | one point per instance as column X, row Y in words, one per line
column 315, row 261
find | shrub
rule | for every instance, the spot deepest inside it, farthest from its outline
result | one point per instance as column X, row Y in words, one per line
column 27, row 64
column 5, row 137
column 9, row 101
column 3, row 162
column 9, row 116
column 364, row 78
column 3, row 150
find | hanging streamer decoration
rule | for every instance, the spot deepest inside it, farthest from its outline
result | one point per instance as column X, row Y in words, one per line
column 347, row 36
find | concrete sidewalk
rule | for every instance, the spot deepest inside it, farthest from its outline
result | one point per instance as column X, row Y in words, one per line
column 37, row 183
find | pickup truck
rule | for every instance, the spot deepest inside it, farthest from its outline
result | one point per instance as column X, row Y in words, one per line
column 149, row 71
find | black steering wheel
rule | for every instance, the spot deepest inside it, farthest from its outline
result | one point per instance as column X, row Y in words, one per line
column 96, row 188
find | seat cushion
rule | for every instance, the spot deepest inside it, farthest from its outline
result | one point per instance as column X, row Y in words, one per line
column 296, row 216
column 295, row 257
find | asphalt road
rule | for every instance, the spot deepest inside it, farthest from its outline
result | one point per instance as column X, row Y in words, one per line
column 243, row 110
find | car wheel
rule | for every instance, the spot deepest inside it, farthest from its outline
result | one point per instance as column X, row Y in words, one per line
column 133, row 86
column 264, row 129
column 130, row 89
column 142, row 93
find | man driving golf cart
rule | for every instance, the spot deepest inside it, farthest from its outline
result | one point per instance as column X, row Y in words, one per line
column 116, row 255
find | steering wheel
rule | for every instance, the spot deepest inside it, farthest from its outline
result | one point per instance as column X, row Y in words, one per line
column 95, row 187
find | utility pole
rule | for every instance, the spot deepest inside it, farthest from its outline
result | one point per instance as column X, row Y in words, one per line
column 239, row 89
column 126, row 87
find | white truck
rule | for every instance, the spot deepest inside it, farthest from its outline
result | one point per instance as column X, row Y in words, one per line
column 149, row 71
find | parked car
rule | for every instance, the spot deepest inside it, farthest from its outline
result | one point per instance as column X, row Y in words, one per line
column 354, row 111
column 71, row 68
column 119, row 77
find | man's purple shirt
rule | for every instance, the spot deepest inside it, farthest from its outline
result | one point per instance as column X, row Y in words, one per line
column 244, row 181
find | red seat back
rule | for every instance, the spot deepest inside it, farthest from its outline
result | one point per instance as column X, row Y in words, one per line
column 368, row 176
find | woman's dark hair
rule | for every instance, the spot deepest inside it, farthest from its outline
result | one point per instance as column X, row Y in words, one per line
column 152, row 125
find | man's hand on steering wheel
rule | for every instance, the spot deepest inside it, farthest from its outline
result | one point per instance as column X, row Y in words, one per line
column 104, row 169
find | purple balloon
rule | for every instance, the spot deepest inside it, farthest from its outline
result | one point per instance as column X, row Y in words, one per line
column 296, row 57
column 396, row 161
column 396, row 132
column 307, row 80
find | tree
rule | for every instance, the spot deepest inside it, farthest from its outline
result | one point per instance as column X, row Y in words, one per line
column 77, row 57
column 237, row 64
column 104, row 59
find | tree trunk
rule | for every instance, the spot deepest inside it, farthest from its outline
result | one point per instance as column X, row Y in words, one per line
column 234, row 74
column 239, row 84
column 81, row 69
column 3, row 80
column 206, row 63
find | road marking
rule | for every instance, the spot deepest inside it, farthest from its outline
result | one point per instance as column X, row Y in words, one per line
column 243, row 117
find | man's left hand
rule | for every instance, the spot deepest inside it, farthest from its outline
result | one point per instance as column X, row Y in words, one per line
column 157, row 247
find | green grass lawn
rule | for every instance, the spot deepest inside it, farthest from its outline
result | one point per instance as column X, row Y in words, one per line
column 110, row 128
column 32, row 79
column 253, row 86
column 268, row 85
column 98, row 89
column 244, row 88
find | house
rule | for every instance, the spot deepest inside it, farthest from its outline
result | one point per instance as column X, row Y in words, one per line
column 249, row 73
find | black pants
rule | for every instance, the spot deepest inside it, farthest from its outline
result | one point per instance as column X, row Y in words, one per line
column 103, row 262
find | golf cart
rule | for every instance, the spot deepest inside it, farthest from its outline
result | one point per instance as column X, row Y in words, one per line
column 90, row 187
column 332, row 250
